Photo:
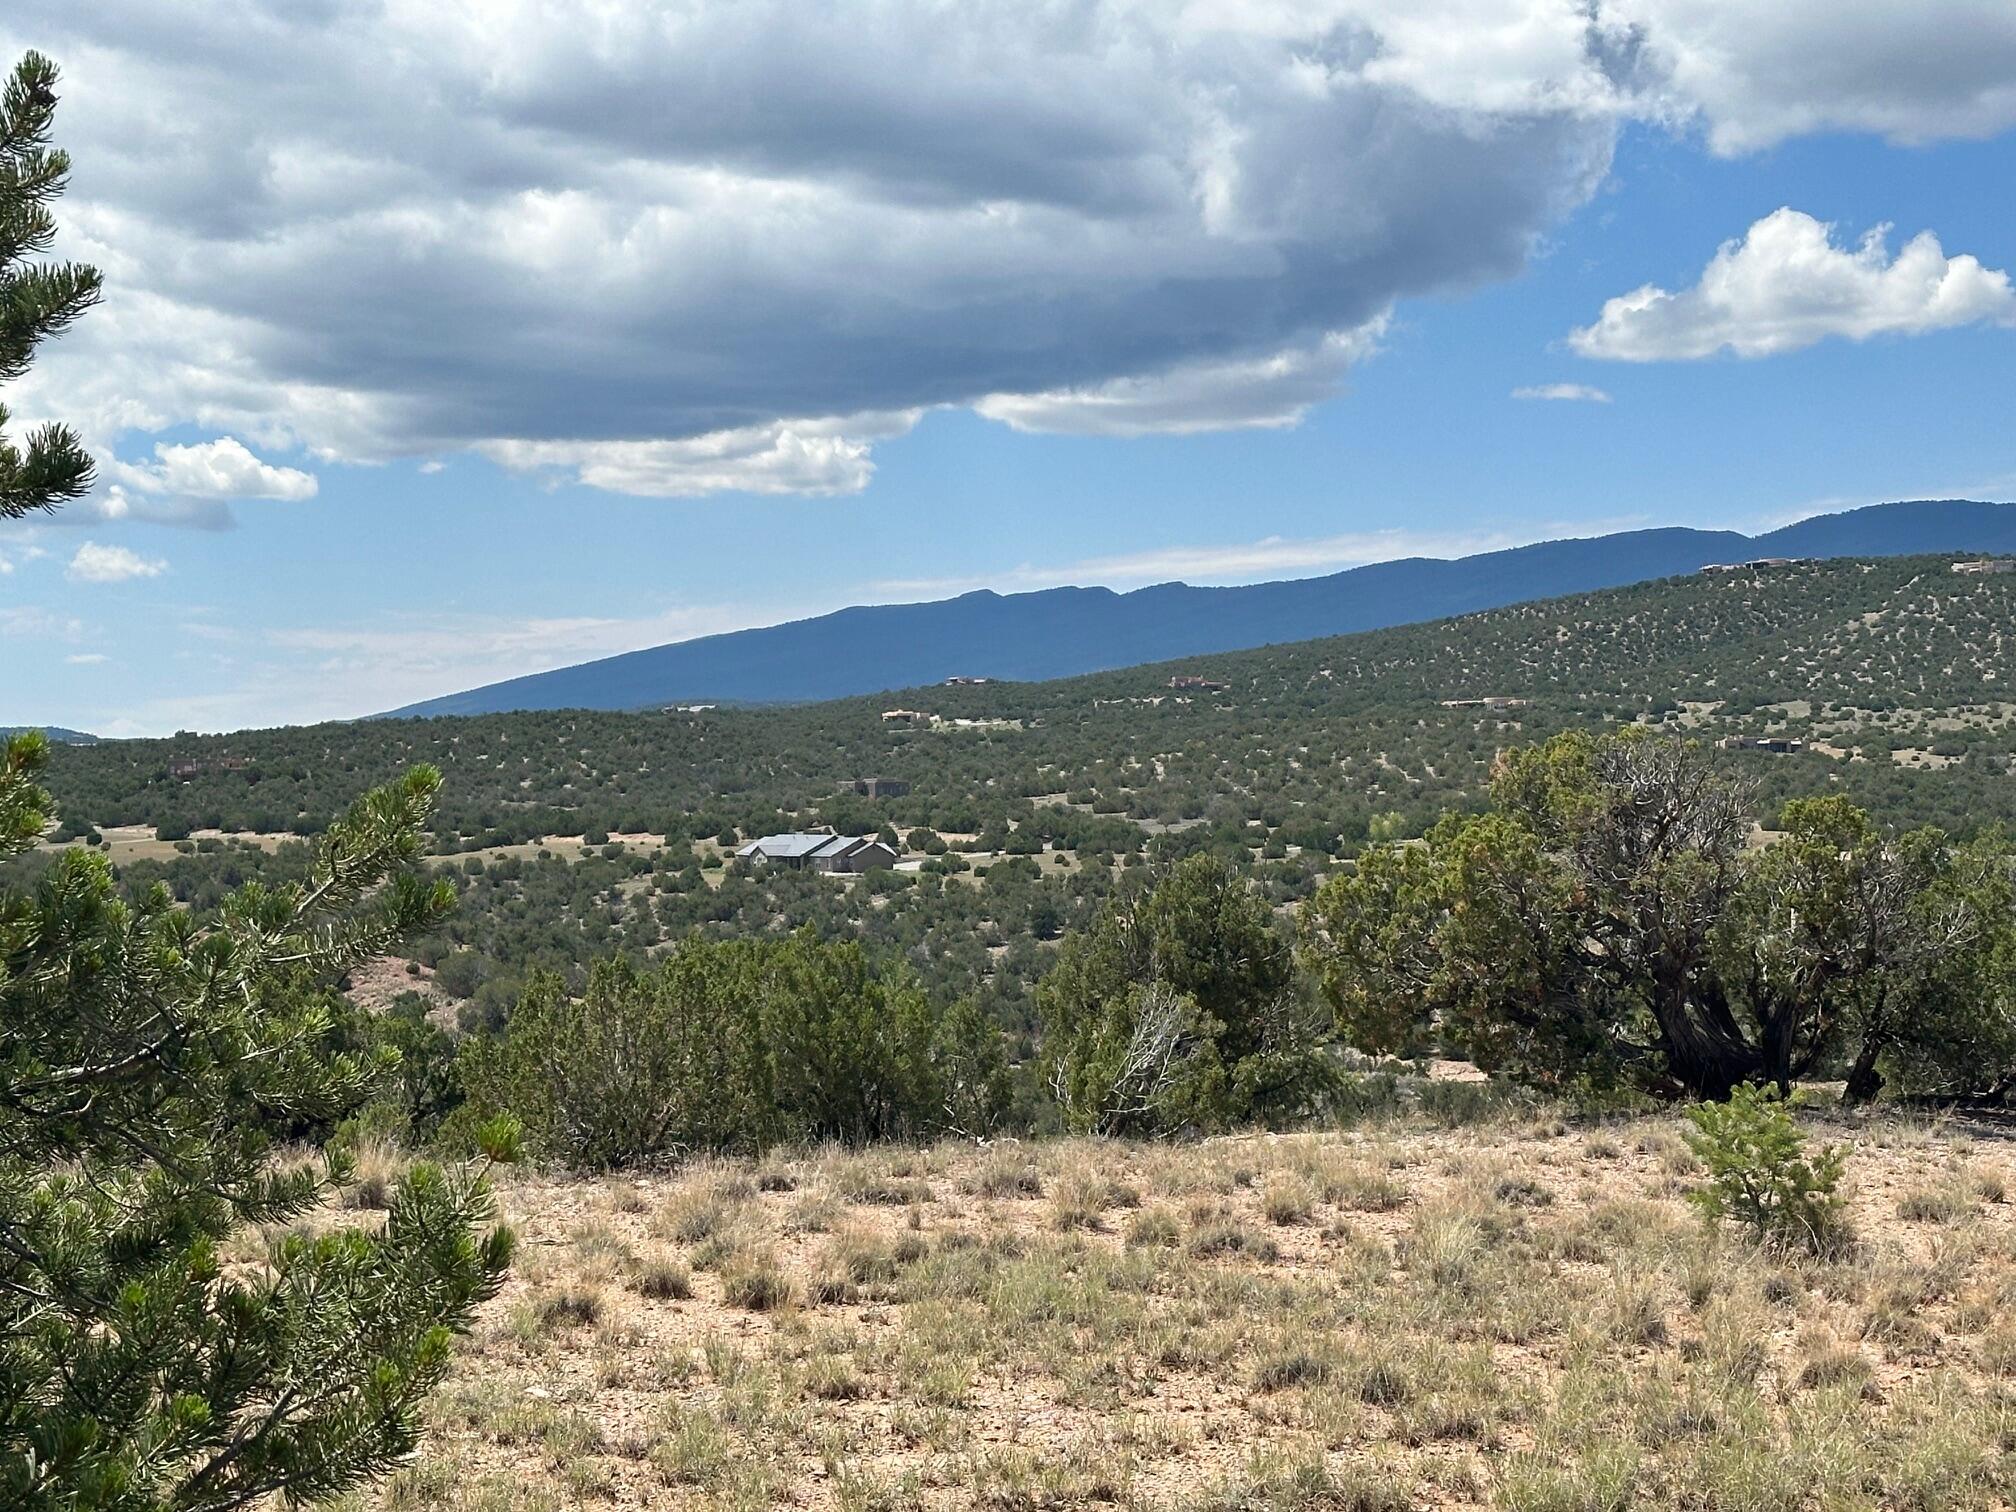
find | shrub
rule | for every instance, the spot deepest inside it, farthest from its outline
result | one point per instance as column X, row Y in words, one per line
column 1179, row 1007
column 664, row 1280
column 1153, row 1228
column 1287, row 1201
column 755, row 1282
column 732, row 1045
column 1760, row 1175
column 1227, row 1236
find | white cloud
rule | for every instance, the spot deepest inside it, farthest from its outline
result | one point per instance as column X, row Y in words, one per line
column 1787, row 285
column 1755, row 74
column 1259, row 392
column 114, row 504
column 87, row 659
column 784, row 457
column 16, row 554
column 1581, row 392
column 94, row 563
column 299, row 674
column 557, row 231
column 31, row 620
column 220, row 469
column 186, row 485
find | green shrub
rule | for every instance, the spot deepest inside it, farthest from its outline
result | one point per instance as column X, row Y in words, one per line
column 1760, row 1175
column 737, row 1044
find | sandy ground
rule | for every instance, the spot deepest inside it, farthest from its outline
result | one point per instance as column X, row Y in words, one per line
column 1521, row 1314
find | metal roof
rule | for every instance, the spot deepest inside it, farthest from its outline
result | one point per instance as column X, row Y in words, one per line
column 798, row 846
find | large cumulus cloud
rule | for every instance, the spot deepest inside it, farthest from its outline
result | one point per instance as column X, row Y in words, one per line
column 679, row 246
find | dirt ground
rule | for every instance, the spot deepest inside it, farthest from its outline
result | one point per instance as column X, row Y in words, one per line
column 1521, row 1314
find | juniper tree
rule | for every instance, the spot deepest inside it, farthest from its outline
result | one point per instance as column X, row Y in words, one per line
column 1180, row 1006
column 152, row 1354
column 1607, row 923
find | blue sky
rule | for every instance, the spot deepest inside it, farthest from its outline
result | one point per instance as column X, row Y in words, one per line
column 375, row 428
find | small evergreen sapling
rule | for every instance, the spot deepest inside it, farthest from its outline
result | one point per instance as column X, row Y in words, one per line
column 1760, row 1175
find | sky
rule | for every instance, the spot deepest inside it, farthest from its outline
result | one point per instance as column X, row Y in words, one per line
column 449, row 340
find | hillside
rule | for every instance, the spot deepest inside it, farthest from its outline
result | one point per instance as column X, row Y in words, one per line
column 1062, row 632
column 576, row 833
column 56, row 733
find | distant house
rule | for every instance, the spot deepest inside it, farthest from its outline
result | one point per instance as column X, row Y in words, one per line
column 967, row 682
column 1987, row 567
column 1714, row 567
column 182, row 768
column 1494, row 702
column 905, row 716
column 1753, row 564
column 820, row 851
column 1203, row 684
column 1777, row 744
column 878, row 787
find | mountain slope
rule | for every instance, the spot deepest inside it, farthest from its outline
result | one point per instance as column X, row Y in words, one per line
column 1061, row 632
column 56, row 733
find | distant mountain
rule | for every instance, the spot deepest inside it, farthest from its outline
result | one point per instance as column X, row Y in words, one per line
column 55, row 732
column 1061, row 632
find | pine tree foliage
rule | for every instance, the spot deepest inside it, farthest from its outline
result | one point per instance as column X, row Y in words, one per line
column 37, row 299
column 150, row 1056
column 145, row 1058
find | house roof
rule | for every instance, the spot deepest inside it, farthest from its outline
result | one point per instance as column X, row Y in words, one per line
column 800, row 846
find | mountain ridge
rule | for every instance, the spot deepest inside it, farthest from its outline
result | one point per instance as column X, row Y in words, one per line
column 1067, row 631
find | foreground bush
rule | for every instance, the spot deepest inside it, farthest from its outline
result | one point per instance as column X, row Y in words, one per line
column 736, row 1045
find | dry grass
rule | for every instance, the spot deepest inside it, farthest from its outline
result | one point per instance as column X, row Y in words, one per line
column 1517, row 1315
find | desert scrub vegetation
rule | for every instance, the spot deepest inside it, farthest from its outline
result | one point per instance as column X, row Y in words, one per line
column 1398, row 1316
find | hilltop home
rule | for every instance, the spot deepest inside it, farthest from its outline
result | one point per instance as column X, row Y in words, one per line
column 1203, row 683
column 905, row 716
column 1753, row 564
column 820, row 851
column 1987, row 568
column 1777, row 744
